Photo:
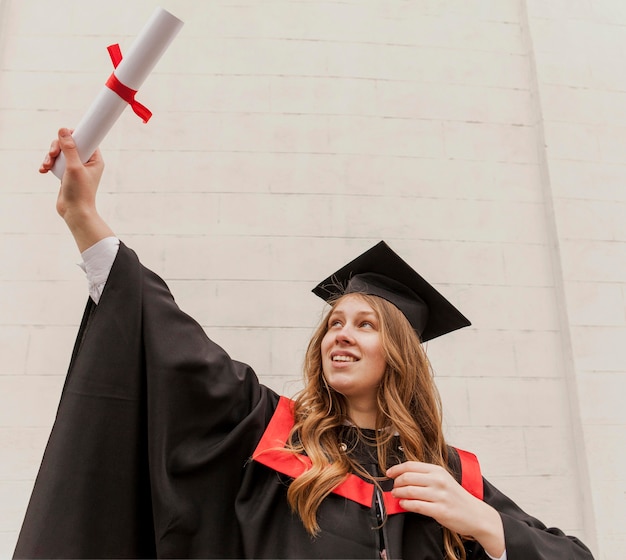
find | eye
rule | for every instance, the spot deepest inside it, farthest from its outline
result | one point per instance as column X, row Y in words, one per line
column 334, row 323
column 367, row 325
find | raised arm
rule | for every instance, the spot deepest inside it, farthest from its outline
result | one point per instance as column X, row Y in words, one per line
column 76, row 202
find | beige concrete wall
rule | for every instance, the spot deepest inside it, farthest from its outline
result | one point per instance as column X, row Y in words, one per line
column 582, row 91
column 479, row 138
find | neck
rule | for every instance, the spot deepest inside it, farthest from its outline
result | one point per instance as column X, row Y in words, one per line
column 363, row 417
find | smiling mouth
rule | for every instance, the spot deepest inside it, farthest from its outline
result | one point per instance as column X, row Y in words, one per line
column 342, row 358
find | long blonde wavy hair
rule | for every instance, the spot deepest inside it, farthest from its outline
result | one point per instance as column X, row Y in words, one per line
column 408, row 404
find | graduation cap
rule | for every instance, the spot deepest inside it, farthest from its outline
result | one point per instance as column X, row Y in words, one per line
column 381, row 272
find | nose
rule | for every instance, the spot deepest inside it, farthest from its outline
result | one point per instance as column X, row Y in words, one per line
column 344, row 335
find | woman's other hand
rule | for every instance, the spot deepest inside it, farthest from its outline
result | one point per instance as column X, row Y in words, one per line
column 432, row 491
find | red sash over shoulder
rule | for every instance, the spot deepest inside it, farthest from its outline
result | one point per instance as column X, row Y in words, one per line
column 269, row 453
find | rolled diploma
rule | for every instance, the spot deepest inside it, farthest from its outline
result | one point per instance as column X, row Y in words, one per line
column 132, row 71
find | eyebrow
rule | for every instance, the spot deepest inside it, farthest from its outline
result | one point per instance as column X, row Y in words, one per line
column 358, row 314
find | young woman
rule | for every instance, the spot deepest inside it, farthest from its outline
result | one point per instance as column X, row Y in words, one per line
column 164, row 446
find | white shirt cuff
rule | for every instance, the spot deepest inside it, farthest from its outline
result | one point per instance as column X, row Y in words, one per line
column 97, row 262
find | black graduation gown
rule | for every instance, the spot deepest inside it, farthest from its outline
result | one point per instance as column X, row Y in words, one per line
column 150, row 455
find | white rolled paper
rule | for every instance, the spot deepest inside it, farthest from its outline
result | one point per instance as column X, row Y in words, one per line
column 138, row 62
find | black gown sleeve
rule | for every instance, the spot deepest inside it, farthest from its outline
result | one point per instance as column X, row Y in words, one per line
column 153, row 430
column 528, row 538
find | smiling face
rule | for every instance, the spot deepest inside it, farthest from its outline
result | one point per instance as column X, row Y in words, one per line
column 353, row 357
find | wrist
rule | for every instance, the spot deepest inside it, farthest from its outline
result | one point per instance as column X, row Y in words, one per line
column 490, row 532
column 87, row 227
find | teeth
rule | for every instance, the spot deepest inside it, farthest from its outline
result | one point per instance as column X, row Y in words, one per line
column 344, row 359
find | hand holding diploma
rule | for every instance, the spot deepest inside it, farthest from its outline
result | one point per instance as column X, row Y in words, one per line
column 76, row 202
column 129, row 74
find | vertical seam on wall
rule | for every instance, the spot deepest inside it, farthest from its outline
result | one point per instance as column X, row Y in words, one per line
column 576, row 426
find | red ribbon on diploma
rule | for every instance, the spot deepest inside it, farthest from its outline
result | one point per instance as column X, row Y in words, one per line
column 123, row 91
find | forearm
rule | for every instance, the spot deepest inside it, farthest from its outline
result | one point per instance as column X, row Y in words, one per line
column 523, row 540
column 528, row 538
column 87, row 227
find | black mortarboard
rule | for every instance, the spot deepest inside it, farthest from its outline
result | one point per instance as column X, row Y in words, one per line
column 381, row 272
